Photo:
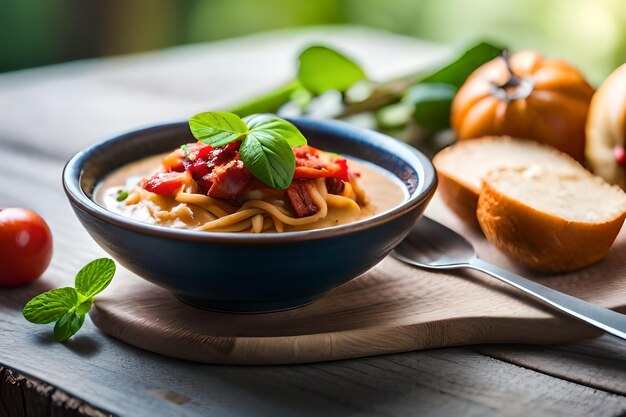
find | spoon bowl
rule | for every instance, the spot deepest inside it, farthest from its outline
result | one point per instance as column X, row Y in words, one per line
column 433, row 245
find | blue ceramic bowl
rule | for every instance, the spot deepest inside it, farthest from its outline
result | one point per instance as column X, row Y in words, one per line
column 249, row 272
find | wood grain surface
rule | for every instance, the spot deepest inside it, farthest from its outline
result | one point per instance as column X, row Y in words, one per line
column 22, row 395
column 600, row 362
column 391, row 308
column 47, row 114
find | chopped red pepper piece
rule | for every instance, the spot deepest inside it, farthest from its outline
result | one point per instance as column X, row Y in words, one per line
column 313, row 163
column 164, row 183
column 201, row 151
column 174, row 161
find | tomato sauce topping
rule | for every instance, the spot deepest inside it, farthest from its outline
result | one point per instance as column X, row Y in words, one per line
column 220, row 173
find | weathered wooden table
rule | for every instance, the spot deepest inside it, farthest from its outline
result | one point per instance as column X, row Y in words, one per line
column 48, row 114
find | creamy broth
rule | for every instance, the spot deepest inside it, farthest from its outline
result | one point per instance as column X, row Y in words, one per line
column 383, row 190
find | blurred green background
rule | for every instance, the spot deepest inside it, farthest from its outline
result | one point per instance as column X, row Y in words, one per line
column 589, row 33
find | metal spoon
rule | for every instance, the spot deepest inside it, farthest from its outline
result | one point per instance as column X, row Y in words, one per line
column 431, row 245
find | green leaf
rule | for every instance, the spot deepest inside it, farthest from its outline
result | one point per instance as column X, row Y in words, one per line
column 269, row 158
column 431, row 104
column 50, row 306
column 269, row 102
column 85, row 306
column 68, row 325
column 217, row 128
column 322, row 69
column 458, row 70
column 276, row 127
column 301, row 97
column 95, row 277
column 394, row 115
column 121, row 195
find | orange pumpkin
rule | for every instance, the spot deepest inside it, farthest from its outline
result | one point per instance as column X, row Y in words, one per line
column 525, row 96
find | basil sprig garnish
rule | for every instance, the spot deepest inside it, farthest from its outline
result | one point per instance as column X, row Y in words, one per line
column 266, row 142
column 68, row 306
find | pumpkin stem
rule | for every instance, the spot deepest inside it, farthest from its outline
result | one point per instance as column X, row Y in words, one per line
column 515, row 87
column 513, row 80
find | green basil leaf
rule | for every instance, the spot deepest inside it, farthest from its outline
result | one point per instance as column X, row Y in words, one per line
column 50, row 306
column 431, row 104
column 276, row 127
column 68, row 325
column 217, row 128
column 95, row 277
column 322, row 69
column 458, row 70
column 269, row 158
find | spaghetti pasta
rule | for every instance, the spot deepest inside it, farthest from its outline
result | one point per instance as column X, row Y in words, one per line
column 253, row 212
column 309, row 203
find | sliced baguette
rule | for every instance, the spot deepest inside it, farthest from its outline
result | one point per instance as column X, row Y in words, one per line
column 462, row 166
column 550, row 221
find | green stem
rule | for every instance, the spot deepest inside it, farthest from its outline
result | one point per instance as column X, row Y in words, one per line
column 267, row 103
column 384, row 94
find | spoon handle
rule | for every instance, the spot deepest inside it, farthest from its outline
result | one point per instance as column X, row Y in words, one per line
column 608, row 320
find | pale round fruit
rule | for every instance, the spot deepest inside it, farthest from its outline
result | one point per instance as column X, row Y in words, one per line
column 606, row 129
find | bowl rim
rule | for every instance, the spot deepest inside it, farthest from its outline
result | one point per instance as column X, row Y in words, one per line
column 73, row 171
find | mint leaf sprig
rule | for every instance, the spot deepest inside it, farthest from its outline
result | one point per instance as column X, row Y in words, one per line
column 68, row 306
column 266, row 142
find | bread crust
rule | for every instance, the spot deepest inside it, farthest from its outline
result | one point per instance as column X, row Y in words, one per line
column 540, row 240
column 460, row 195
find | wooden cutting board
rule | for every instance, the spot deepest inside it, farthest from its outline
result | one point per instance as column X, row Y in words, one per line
column 391, row 308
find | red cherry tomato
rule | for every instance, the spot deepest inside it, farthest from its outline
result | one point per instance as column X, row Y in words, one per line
column 25, row 246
